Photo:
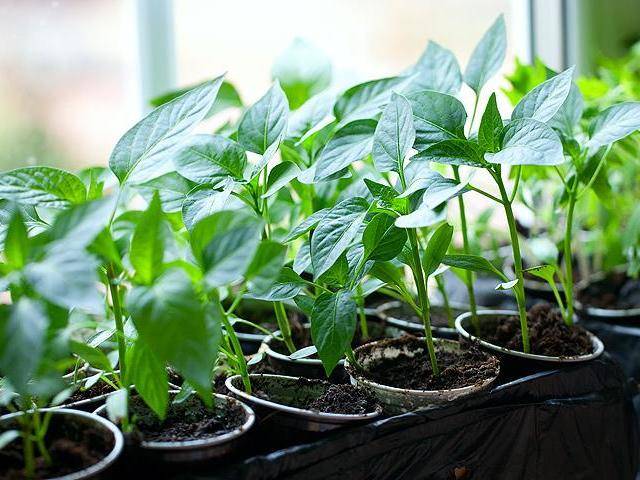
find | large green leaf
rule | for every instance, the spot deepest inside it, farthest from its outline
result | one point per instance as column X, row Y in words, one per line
column 436, row 188
column 333, row 323
column 92, row 355
column 489, row 133
column 474, row 263
column 309, row 115
column 453, row 152
column 227, row 97
column 170, row 319
column 528, row 142
column 349, row 144
column 16, row 245
column 366, row 99
column 147, row 244
column 78, row 226
column 544, row 101
column 567, row 118
column 225, row 243
column 42, row 186
column 265, row 267
column 307, row 224
column 149, row 374
column 288, row 285
column 279, row 177
column 487, row 57
column 143, row 152
column 22, row 341
column 206, row 200
column 436, row 116
column 336, row 231
column 394, row 135
column 613, row 124
column 172, row 187
column 382, row 240
column 210, row 159
column 303, row 70
column 436, row 248
column 422, row 216
column 264, row 123
column 437, row 69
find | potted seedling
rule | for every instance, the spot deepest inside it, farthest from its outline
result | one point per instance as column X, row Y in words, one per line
column 40, row 442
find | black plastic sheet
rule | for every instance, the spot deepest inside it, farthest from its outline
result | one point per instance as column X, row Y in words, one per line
column 574, row 423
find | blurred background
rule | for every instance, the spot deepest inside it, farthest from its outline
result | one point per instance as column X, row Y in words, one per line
column 75, row 74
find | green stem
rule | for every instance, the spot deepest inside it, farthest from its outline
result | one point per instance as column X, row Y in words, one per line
column 445, row 300
column 517, row 262
column 117, row 314
column 283, row 325
column 364, row 328
column 568, row 257
column 27, row 445
column 237, row 349
column 467, row 250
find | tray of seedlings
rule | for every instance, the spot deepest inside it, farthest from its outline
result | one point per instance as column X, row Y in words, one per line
column 272, row 300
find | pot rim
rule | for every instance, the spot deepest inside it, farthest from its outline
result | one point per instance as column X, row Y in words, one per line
column 250, row 418
column 106, row 461
column 615, row 313
column 596, row 343
column 300, row 412
column 414, row 326
column 427, row 393
column 266, row 348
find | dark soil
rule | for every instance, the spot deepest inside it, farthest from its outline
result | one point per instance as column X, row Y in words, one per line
column 264, row 317
column 438, row 315
column 317, row 395
column 463, row 368
column 617, row 292
column 548, row 334
column 99, row 388
column 189, row 420
column 72, row 445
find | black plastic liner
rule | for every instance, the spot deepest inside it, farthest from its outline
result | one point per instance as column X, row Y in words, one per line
column 573, row 423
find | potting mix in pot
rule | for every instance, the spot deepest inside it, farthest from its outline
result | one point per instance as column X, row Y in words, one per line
column 284, row 231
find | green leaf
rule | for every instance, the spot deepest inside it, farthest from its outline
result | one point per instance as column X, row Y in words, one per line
column 172, row 187
column 491, row 125
column 333, row 324
column 288, row 285
column 487, row 57
column 436, row 188
column 67, row 278
column 388, row 273
column 265, row 122
column 437, row 248
column 170, row 319
column 225, row 243
column 382, row 240
column 528, row 142
column 567, row 118
column 16, row 244
column 147, row 244
column 303, row 70
column 42, row 186
column 93, row 356
column 145, row 150
column 149, row 374
column 22, row 341
column 544, row 101
column 265, row 266
column 438, row 70
column 210, row 159
column 350, row 144
column 227, row 97
column 453, row 152
column 394, row 135
column 613, row 124
column 335, row 233
column 309, row 115
column 546, row 272
column 436, row 116
column 279, row 177
column 204, row 201
column 366, row 99
column 302, row 262
column 384, row 194
column 422, row 216
column 474, row 263
column 307, row 224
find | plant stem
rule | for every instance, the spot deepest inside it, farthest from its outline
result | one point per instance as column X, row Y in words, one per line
column 467, row 250
column 445, row 300
column 568, row 259
column 27, row 444
column 117, row 314
column 517, row 262
column 364, row 328
column 283, row 324
column 237, row 348
column 423, row 299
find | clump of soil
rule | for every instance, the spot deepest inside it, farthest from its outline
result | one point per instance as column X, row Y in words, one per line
column 548, row 334
column 188, row 420
column 72, row 445
column 317, row 395
column 411, row 369
column 438, row 314
column 616, row 291
column 97, row 389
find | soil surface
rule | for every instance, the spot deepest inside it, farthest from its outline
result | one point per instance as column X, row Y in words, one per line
column 466, row 367
column 317, row 395
column 189, row 420
column 265, row 317
column 73, row 446
column 99, row 388
column 548, row 334
column 439, row 316
column 617, row 291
